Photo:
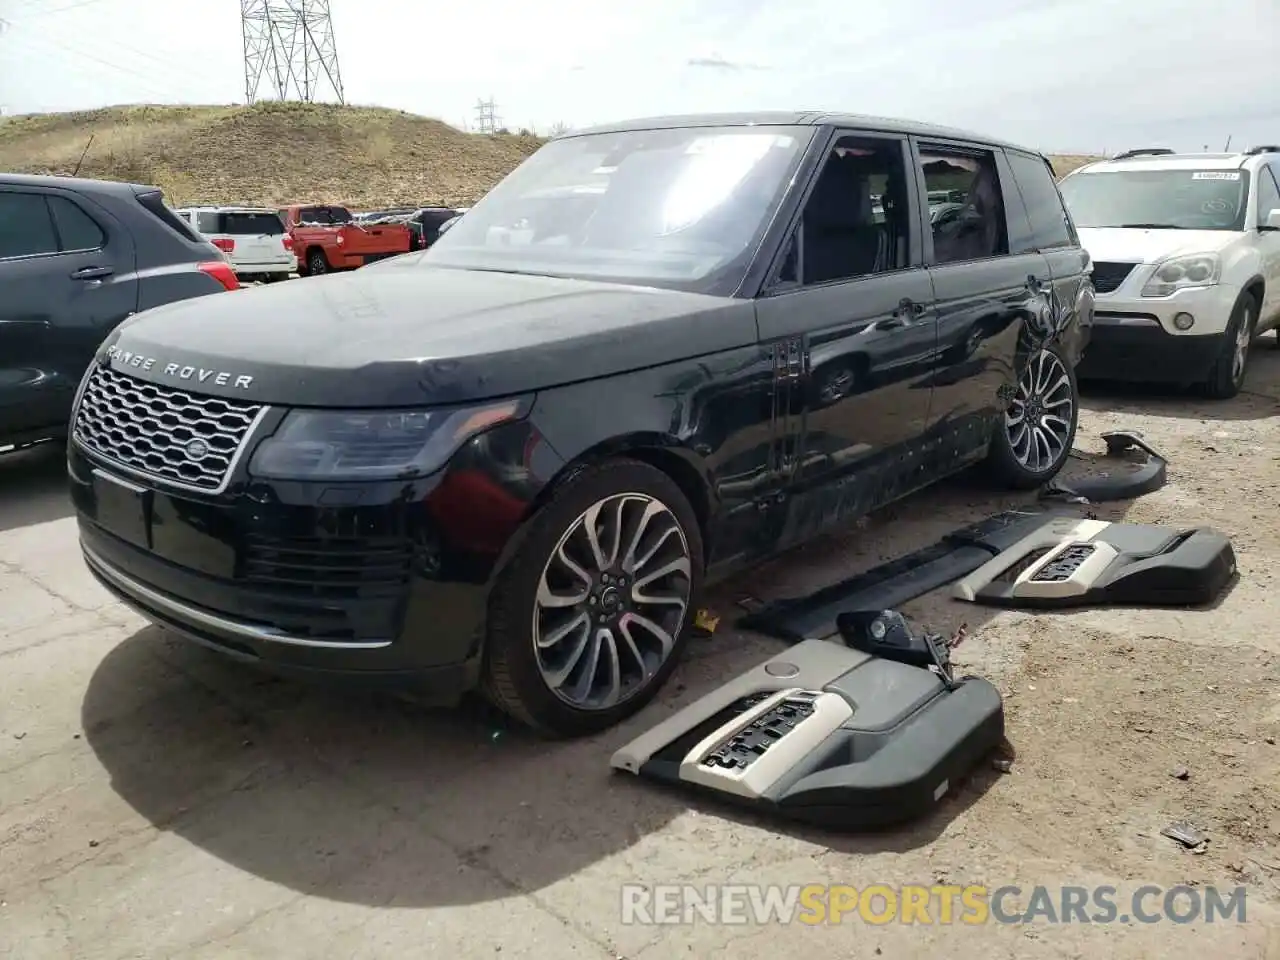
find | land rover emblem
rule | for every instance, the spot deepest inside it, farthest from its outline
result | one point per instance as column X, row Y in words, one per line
column 197, row 449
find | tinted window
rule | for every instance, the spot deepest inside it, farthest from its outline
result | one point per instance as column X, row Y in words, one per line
column 76, row 229
column 680, row 207
column 966, row 210
column 26, row 229
column 1172, row 199
column 1268, row 194
column 855, row 220
column 207, row 222
column 251, row 224
column 1050, row 226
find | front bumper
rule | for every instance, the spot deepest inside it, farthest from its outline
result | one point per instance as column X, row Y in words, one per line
column 374, row 583
column 1137, row 348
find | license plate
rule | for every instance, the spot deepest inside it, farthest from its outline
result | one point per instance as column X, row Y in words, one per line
column 123, row 508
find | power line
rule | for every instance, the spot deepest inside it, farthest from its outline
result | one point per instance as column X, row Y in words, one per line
column 292, row 42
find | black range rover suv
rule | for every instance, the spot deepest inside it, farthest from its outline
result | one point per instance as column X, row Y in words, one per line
column 655, row 353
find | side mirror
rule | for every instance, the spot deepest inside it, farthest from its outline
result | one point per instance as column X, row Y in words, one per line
column 1273, row 220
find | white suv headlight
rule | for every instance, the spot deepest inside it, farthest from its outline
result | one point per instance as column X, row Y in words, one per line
column 1180, row 273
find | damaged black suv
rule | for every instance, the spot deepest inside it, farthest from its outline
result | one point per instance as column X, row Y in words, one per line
column 655, row 353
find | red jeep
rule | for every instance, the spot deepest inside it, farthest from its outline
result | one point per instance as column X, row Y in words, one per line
column 327, row 237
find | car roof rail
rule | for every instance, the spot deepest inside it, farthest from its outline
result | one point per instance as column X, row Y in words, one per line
column 1255, row 151
column 1146, row 152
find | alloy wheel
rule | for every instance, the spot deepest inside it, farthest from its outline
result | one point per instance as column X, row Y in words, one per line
column 1039, row 419
column 611, row 601
column 1240, row 353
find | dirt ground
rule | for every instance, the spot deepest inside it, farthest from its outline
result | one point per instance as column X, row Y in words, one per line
column 158, row 802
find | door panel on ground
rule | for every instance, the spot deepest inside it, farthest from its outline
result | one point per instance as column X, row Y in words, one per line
column 852, row 325
column 50, row 322
column 984, row 294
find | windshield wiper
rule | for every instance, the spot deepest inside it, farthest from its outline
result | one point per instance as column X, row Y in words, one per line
column 1150, row 226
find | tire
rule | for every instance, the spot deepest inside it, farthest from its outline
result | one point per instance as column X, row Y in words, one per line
column 277, row 277
column 1010, row 463
column 1226, row 379
column 317, row 265
column 517, row 676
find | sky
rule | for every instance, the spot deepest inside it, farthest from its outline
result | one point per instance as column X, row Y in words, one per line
column 1083, row 76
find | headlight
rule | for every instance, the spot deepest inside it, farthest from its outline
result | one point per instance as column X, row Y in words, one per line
column 373, row 444
column 1179, row 273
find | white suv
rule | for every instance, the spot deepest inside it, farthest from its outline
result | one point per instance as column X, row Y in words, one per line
column 1186, row 263
column 253, row 239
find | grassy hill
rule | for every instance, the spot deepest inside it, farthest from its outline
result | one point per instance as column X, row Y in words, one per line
column 276, row 153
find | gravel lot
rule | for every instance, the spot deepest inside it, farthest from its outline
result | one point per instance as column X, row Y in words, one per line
column 157, row 802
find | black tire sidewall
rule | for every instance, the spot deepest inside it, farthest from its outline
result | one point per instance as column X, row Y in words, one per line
column 511, row 679
column 1220, row 385
column 1001, row 460
column 316, row 264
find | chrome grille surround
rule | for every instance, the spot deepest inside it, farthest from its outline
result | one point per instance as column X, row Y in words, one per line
column 157, row 432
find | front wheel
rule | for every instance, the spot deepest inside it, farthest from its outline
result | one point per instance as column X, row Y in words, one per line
column 589, row 618
column 1034, row 437
column 1227, row 376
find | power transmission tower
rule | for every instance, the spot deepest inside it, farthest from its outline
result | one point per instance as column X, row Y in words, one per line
column 291, row 42
column 486, row 116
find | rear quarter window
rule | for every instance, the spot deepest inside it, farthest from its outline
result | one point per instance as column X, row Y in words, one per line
column 154, row 204
column 1050, row 224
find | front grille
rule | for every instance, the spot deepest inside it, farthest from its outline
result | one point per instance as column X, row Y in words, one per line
column 1107, row 277
column 329, row 567
column 161, row 432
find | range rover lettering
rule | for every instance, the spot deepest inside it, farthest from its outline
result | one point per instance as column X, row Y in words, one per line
column 656, row 353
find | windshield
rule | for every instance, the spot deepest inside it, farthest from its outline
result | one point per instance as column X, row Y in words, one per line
column 1158, row 199
column 677, row 208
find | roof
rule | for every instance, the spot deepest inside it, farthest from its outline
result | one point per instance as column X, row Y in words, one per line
column 814, row 118
column 1176, row 161
column 74, row 183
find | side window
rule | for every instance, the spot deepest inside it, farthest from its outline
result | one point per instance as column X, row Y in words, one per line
column 207, row 221
column 966, row 210
column 1050, row 224
column 855, row 221
column 26, row 228
column 76, row 229
column 1268, row 194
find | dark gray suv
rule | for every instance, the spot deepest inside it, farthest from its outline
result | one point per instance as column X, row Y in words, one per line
column 76, row 258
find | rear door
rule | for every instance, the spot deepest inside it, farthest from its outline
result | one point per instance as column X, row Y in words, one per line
column 987, row 279
column 67, row 272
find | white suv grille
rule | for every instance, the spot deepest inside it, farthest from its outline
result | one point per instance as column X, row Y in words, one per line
column 164, row 433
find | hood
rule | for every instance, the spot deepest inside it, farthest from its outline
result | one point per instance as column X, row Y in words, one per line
column 402, row 334
column 1115, row 244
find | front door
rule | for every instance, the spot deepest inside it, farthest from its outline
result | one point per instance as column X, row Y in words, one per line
column 849, row 318
column 1269, row 241
column 68, row 276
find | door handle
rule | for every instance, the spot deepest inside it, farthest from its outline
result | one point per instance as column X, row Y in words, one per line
column 92, row 273
column 1034, row 283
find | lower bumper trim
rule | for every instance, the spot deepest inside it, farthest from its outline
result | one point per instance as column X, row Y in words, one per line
column 203, row 619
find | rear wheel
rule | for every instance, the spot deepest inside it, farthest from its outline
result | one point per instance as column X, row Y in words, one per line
column 1034, row 439
column 1227, row 376
column 589, row 618
column 316, row 263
